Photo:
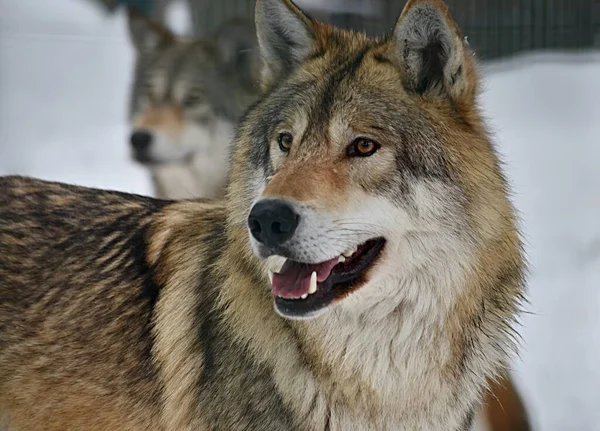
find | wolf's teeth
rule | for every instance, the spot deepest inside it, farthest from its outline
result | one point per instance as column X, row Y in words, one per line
column 304, row 296
column 313, row 283
column 271, row 276
column 341, row 259
column 349, row 252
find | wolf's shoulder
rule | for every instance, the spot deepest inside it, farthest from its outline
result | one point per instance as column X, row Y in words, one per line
column 45, row 215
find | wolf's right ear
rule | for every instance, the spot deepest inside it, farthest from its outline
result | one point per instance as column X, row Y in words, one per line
column 431, row 53
column 238, row 51
column 146, row 34
column 285, row 35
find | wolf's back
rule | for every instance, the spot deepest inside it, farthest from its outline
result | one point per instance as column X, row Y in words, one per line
column 73, row 278
column 61, row 243
column 67, row 232
column 85, row 340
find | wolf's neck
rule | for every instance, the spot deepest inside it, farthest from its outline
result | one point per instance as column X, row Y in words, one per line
column 389, row 373
column 394, row 363
column 176, row 181
column 399, row 371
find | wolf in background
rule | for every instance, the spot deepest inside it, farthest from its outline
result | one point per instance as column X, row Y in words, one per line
column 187, row 96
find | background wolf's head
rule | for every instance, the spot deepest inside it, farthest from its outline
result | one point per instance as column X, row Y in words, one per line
column 188, row 93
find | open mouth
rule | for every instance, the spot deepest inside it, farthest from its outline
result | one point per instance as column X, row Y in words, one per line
column 301, row 289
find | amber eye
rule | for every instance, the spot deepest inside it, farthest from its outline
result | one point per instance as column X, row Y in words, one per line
column 362, row 147
column 285, row 141
column 192, row 100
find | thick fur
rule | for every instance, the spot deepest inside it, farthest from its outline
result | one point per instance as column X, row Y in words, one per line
column 187, row 97
column 110, row 319
column 73, row 279
column 125, row 312
column 454, row 274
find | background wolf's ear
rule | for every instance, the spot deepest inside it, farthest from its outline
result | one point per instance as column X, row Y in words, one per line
column 285, row 37
column 146, row 34
column 238, row 51
column 430, row 51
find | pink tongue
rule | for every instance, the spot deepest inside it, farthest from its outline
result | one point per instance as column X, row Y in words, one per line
column 293, row 280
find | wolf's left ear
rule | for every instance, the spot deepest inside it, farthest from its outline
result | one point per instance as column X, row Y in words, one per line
column 146, row 34
column 431, row 53
column 285, row 36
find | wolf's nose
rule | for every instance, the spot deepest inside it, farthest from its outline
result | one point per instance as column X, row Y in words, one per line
column 272, row 222
column 140, row 140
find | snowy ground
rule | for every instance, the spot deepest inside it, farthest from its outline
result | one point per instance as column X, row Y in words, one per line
column 64, row 77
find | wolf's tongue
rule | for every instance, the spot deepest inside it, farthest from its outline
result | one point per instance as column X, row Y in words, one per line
column 293, row 279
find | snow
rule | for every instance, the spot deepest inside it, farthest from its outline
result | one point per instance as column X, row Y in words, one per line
column 64, row 82
column 546, row 111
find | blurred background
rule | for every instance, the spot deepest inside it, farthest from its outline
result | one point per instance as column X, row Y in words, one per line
column 66, row 71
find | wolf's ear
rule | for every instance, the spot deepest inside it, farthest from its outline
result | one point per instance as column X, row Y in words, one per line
column 430, row 51
column 146, row 34
column 238, row 51
column 285, row 36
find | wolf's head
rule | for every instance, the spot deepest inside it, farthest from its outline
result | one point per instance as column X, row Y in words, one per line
column 366, row 166
column 188, row 94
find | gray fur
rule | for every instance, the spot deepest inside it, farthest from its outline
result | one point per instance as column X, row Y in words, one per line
column 188, row 95
column 284, row 37
column 427, row 49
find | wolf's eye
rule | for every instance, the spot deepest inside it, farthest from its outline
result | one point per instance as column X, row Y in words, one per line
column 192, row 100
column 362, row 147
column 285, row 141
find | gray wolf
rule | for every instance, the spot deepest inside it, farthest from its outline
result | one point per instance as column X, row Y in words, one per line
column 363, row 272
column 187, row 97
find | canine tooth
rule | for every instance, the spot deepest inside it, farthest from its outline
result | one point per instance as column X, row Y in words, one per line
column 341, row 259
column 313, row 283
column 271, row 276
column 304, row 296
column 349, row 252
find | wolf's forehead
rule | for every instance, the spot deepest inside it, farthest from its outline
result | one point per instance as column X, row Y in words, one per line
column 353, row 92
column 190, row 63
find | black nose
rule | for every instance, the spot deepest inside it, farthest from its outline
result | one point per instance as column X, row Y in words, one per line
column 272, row 222
column 140, row 140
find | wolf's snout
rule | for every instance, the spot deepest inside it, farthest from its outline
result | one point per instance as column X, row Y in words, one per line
column 272, row 222
column 140, row 141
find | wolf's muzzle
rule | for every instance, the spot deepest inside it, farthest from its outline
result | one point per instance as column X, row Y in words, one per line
column 272, row 222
